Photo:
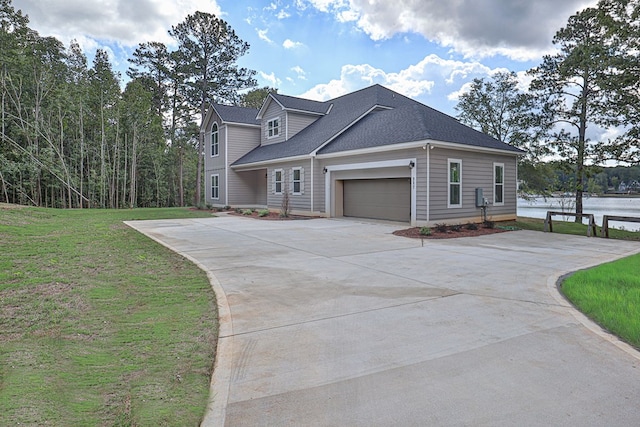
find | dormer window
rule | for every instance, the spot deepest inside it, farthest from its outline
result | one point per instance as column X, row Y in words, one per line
column 273, row 128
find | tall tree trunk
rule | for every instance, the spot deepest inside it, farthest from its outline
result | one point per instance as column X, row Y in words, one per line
column 582, row 132
column 181, row 174
column 82, row 157
column 134, row 160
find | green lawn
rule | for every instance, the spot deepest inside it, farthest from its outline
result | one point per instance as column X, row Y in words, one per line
column 568, row 227
column 99, row 325
column 610, row 295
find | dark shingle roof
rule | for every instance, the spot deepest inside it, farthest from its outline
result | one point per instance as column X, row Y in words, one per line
column 406, row 120
column 231, row 114
column 301, row 104
column 410, row 123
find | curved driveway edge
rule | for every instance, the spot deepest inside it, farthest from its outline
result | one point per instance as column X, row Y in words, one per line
column 330, row 322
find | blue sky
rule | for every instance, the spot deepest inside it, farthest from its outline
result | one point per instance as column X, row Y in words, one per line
column 429, row 50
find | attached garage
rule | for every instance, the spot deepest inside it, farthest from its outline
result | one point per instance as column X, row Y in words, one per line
column 387, row 199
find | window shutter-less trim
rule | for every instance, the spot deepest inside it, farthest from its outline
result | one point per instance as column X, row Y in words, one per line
column 273, row 181
column 291, row 186
column 301, row 180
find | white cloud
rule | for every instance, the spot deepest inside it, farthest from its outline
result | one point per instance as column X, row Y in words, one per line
column 124, row 22
column 289, row 44
column 283, row 14
column 354, row 77
column 430, row 79
column 300, row 72
column 271, row 79
column 262, row 34
column 515, row 29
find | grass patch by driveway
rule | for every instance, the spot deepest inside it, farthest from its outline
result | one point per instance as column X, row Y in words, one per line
column 99, row 325
column 570, row 227
column 610, row 295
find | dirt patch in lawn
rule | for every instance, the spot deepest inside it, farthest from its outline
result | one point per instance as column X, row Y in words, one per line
column 450, row 232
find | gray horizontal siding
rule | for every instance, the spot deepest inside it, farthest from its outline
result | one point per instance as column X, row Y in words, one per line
column 242, row 187
column 296, row 122
column 247, row 188
column 298, row 202
column 477, row 172
column 273, row 111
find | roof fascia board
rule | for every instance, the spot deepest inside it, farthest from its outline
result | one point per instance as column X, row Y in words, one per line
column 207, row 116
column 310, row 113
column 249, row 125
column 259, row 165
column 414, row 144
column 324, row 144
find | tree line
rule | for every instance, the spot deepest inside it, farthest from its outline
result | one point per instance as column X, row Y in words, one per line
column 70, row 137
column 592, row 82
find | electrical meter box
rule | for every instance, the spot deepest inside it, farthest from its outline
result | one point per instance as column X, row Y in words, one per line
column 479, row 198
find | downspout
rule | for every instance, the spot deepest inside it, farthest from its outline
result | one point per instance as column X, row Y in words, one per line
column 226, row 165
column 428, row 148
column 312, row 175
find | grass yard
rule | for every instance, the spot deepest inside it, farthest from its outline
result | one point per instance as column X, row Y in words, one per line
column 569, row 227
column 610, row 295
column 99, row 325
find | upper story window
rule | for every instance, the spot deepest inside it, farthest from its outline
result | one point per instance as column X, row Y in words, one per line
column 273, row 128
column 454, row 183
column 498, row 183
column 215, row 146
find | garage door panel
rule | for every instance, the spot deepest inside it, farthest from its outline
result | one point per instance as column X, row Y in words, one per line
column 388, row 199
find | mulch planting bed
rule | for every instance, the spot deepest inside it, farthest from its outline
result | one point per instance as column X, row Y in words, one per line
column 414, row 232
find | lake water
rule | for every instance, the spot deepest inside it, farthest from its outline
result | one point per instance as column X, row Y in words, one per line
column 598, row 206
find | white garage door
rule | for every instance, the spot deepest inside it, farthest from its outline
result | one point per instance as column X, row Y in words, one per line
column 388, row 199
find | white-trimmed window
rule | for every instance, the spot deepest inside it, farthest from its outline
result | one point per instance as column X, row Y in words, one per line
column 454, row 190
column 273, row 128
column 215, row 146
column 297, row 180
column 277, row 181
column 215, row 187
column 498, row 183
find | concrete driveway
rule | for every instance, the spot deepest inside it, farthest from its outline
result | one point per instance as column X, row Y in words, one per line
column 340, row 323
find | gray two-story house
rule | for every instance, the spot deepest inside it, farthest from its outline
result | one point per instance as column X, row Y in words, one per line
column 372, row 153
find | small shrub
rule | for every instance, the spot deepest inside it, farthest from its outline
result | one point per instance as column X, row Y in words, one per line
column 471, row 226
column 209, row 206
column 489, row 224
column 237, row 210
column 247, row 212
column 214, row 209
column 425, row 231
column 263, row 212
column 441, row 228
column 456, row 227
column 226, row 208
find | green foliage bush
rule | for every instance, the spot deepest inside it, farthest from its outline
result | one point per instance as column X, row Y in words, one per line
column 425, row 231
column 263, row 212
column 247, row 212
